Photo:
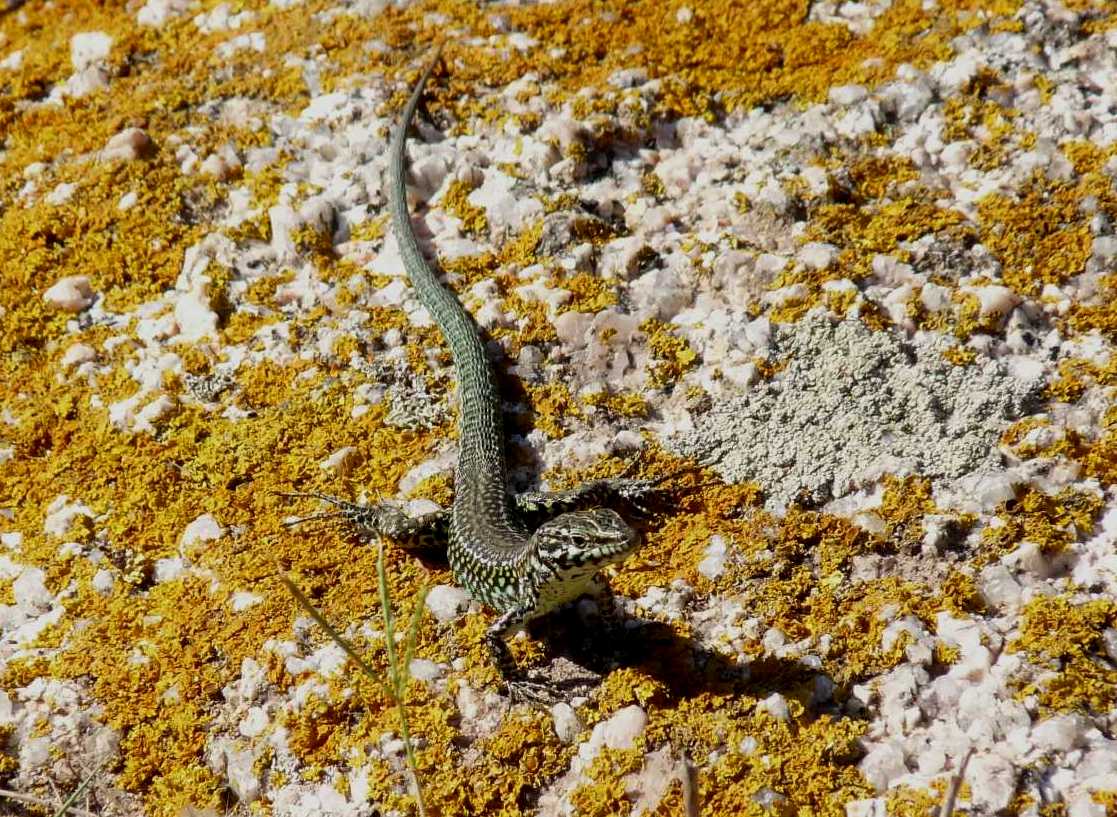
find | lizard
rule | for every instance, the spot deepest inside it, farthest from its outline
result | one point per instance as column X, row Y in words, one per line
column 518, row 572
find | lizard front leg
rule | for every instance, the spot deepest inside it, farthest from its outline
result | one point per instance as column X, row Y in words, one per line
column 519, row 688
column 428, row 531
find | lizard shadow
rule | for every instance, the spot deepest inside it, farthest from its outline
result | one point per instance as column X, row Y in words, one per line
column 681, row 666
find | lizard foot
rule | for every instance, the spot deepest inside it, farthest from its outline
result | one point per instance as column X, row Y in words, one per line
column 428, row 531
column 363, row 516
column 540, row 694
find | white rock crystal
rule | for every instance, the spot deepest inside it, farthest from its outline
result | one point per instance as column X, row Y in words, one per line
column 89, row 48
column 203, row 529
column 447, row 603
column 73, row 293
column 156, row 13
column 128, row 145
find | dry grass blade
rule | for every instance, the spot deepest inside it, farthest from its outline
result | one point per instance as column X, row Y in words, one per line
column 30, row 799
column 338, row 639
column 688, row 775
column 394, row 686
column 68, row 806
column 947, row 809
column 400, row 671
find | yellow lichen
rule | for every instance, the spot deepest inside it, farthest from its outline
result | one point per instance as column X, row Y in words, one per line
column 1051, row 522
column 591, row 293
column 456, row 202
column 960, row 355
column 624, row 404
column 903, row 801
column 552, row 407
column 672, row 355
column 1066, row 637
column 1039, row 237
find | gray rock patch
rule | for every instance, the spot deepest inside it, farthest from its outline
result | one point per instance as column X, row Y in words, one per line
column 852, row 404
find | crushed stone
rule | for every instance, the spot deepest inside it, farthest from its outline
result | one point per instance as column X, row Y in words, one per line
column 850, row 405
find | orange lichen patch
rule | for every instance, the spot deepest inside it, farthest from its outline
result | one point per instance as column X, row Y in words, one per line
column 795, row 307
column 904, row 504
column 1100, row 456
column 874, row 224
column 314, row 243
column 875, row 177
column 523, row 742
column 969, row 109
column 1041, row 236
column 261, row 292
column 807, row 764
column 671, row 355
column 188, row 642
column 865, row 231
column 9, row 763
column 1066, row 637
column 793, row 574
column 604, row 792
column 676, row 544
column 552, row 407
column 960, row 355
column 829, row 541
column 438, row 488
column 1087, row 157
column 534, row 326
column 873, row 315
column 1100, row 314
column 159, row 94
column 498, row 267
column 129, row 255
column 1108, row 799
column 242, row 325
column 733, row 52
column 961, row 596
column 591, row 293
column 623, row 404
column 767, row 369
column 157, row 77
column 968, row 317
column 971, row 115
column 1074, row 378
column 1097, row 456
column 456, row 202
column 853, row 615
column 1015, row 435
column 1050, row 522
column 903, row 801
column 652, row 185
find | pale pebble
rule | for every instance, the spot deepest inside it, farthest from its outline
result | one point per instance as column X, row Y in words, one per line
column 88, row 48
column 204, row 528
column 447, row 603
column 127, row 145
column 73, row 293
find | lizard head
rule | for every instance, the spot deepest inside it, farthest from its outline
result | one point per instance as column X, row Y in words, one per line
column 568, row 550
